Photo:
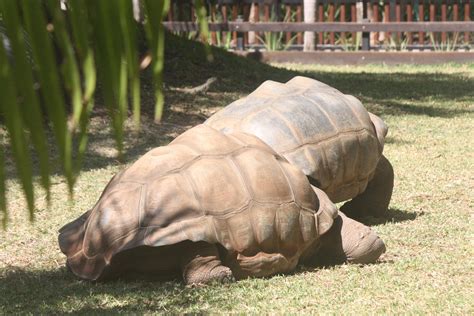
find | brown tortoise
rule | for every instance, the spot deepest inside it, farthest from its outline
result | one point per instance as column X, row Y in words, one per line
column 209, row 207
column 329, row 135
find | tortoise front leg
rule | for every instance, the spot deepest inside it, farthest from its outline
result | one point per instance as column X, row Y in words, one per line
column 200, row 264
column 375, row 199
column 260, row 265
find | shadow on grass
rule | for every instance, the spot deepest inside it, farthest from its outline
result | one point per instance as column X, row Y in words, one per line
column 101, row 152
column 396, row 93
column 427, row 94
column 393, row 216
column 395, row 140
column 58, row 291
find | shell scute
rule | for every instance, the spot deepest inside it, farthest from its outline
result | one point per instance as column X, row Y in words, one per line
column 199, row 141
column 303, row 194
column 263, row 223
column 260, row 122
column 226, row 193
column 288, row 227
column 307, row 225
column 241, row 233
column 263, row 177
column 114, row 218
column 163, row 206
column 158, row 162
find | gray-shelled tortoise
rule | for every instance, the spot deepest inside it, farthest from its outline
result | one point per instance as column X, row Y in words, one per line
column 208, row 207
column 329, row 135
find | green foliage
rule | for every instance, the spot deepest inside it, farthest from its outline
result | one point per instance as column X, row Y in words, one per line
column 91, row 43
column 274, row 41
column 448, row 46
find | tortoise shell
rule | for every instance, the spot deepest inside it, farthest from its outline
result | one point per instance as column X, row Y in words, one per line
column 330, row 136
column 231, row 190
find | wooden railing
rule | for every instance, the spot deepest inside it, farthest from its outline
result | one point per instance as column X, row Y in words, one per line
column 341, row 24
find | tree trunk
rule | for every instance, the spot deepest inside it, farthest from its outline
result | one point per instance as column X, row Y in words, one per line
column 309, row 7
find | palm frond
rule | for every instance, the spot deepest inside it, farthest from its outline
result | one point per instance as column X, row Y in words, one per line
column 51, row 62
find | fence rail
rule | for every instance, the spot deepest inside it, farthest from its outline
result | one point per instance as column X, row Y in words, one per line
column 366, row 24
column 325, row 27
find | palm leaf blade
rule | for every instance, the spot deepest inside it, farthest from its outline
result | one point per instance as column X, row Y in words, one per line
column 31, row 111
column 129, row 32
column 49, row 79
column 14, row 124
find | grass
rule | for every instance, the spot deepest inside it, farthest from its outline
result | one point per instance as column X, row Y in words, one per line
column 427, row 269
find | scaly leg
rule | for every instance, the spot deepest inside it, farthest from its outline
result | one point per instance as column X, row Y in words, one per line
column 261, row 265
column 200, row 264
column 375, row 199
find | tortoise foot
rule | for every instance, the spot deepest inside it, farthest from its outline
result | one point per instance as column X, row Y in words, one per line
column 201, row 265
column 375, row 199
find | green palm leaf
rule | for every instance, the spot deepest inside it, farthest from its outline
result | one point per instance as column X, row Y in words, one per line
column 14, row 124
column 156, row 11
column 128, row 27
column 49, row 80
column 30, row 108
column 79, row 22
column 104, row 17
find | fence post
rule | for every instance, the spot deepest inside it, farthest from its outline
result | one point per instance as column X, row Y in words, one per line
column 365, row 35
column 393, row 16
column 240, row 35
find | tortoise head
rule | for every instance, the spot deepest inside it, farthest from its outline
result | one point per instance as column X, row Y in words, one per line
column 349, row 241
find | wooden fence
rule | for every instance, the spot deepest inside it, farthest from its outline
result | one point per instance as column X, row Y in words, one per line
column 340, row 24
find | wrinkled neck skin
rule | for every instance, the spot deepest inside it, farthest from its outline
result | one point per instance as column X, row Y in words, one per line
column 346, row 241
column 327, row 249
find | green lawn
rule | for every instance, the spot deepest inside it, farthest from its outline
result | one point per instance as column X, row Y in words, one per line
column 428, row 267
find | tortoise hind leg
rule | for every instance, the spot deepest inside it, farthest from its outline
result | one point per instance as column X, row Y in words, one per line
column 200, row 264
column 375, row 199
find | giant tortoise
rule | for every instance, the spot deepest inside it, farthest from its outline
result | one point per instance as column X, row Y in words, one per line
column 209, row 207
column 329, row 135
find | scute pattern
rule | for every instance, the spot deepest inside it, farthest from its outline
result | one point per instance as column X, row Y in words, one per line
column 205, row 186
column 258, row 124
column 315, row 127
column 263, row 178
column 222, row 196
